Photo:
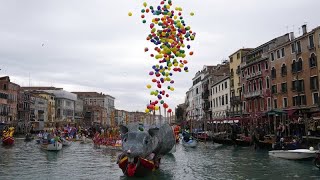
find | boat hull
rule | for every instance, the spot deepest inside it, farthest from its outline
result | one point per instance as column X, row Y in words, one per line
column 57, row 146
column 191, row 143
column 242, row 143
column 66, row 143
column 223, row 141
column 8, row 141
column 144, row 168
column 293, row 154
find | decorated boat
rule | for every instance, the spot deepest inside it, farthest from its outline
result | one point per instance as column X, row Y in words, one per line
column 7, row 136
column 137, row 166
column 56, row 146
column 296, row 154
column 142, row 150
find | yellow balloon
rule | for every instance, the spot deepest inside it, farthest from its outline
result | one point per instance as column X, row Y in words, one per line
column 147, row 110
column 171, row 88
column 192, row 14
column 156, row 108
column 145, row 4
column 148, row 86
column 130, row 14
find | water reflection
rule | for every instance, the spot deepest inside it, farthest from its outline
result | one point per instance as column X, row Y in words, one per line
column 207, row 161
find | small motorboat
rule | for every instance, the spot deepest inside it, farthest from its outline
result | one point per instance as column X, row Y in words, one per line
column 296, row 154
column 190, row 143
column 56, row 146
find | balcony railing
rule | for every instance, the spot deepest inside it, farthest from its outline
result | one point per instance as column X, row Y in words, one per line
column 253, row 94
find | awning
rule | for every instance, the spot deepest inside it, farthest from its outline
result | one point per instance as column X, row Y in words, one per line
column 291, row 111
column 276, row 112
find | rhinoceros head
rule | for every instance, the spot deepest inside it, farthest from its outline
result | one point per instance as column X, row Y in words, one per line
column 137, row 142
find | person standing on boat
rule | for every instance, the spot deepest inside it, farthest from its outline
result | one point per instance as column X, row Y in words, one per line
column 186, row 135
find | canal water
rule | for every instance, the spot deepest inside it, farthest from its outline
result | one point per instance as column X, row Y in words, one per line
column 207, row 161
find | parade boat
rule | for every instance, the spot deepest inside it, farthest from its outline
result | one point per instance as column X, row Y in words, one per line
column 7, row 136
column 143, row 149
column 138, row 166
column 56, row 146
column 296, row 154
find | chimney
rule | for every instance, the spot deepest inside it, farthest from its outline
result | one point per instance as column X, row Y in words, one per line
column 291, row 36
column 304, row 29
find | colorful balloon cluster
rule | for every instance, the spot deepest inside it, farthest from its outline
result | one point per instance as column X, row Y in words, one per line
column 170, row 35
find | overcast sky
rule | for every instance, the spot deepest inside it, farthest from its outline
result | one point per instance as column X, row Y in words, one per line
column 93, row 45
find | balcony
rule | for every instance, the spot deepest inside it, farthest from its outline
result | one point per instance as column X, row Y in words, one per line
column 205, row 95
column 253, row 94
column 248, row 76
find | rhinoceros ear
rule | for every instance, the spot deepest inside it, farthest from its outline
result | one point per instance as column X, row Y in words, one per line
column 153, row 131
column 123, row 129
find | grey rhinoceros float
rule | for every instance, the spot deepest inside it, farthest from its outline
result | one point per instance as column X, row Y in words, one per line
column 142, row 149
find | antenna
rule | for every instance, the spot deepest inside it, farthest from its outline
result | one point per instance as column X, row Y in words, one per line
column 29, row 79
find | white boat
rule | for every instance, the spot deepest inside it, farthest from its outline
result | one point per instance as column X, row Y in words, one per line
column 294, row 154
column 190, row 143
column 66, row 142
column 57, row 146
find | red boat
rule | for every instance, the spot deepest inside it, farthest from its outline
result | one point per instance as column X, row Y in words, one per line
column 8, row 140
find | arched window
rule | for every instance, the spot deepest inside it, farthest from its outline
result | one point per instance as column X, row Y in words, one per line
column 294, row 66
column 313, row 60
column 268, row 83
column 249, row 87
column 273, row 73
column 283, row 70
column 254, row 86
column 299, row 68
column 260, row 84
column 5, row 87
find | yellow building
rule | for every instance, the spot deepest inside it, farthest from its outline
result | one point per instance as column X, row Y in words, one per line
column 51, row 105
column 235, row 88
